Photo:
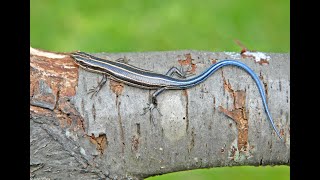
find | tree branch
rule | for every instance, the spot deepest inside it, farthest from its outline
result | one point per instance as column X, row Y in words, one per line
column 220, row 122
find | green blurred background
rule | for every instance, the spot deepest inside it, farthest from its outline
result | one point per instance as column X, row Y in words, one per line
column 159, row 25
column 156, row 25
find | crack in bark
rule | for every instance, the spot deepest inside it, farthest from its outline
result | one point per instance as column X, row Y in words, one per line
column 57, row 99
column 265, row 85
column 138, row 129
column 261, row 161
column 280, row 86
column 101, row 142
column 214, row 104
column 80, row 123
column 238, row 114
column 64, row 119
column 191, row 145
column 40, row 110
column 135, row 141
column 120, row 125
column 185, row 93
column 94, row 112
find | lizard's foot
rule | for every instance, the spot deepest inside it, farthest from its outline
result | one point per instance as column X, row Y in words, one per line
column 96, row 89
column 150, row 108
column 123, row 60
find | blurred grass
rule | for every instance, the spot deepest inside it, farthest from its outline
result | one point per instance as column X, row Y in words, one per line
column 154, row 25
column 238, row 172
column 157, row 25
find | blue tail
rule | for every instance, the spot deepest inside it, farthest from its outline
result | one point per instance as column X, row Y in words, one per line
column 200, row 78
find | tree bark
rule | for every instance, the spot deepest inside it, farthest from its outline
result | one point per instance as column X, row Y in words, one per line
column 220, row 122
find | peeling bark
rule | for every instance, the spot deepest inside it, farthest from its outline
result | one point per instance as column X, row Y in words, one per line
column 221, row 122
column 238, row 114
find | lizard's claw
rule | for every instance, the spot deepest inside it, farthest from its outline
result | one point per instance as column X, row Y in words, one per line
column 96, row 89
column 150, row 108
column 93, row 91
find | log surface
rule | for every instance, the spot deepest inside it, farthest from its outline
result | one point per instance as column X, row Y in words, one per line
column 220, row 122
